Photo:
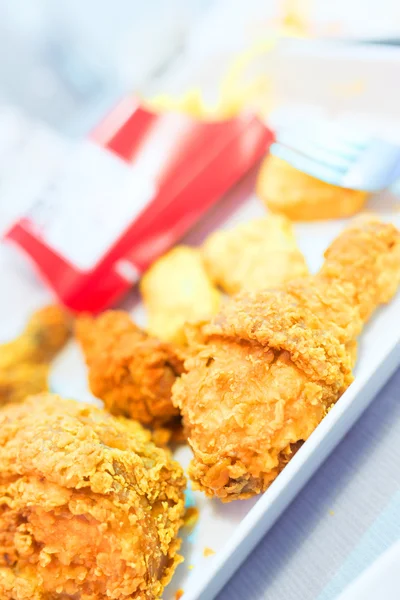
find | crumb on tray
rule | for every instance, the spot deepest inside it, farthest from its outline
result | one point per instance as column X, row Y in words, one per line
column 191, row 517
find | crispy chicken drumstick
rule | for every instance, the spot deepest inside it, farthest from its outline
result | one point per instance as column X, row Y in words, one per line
column 265, row 371
column 129, row 370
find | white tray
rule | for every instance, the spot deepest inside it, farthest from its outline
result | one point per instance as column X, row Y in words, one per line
column 233, row 530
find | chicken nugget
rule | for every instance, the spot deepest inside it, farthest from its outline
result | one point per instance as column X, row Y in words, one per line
column 301, row 197
column 176, row 289
column 259, row 254
column 90, row 508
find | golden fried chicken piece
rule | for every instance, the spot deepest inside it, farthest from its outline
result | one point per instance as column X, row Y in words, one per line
column 255, row 255
column 130, row 371
column 177, row 289
column 265, row 371
column 301, row 197
column 46, row 333
column 21, row 381
column 89, row 507
column 24, row 362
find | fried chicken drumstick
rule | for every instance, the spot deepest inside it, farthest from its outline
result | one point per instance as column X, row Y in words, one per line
column 265, row 371
column 89, row 506
column 24, row 362
column 129, row 370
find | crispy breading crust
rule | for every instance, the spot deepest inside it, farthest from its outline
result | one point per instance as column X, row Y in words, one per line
column 24, row 362
column 130, row 371
column 89, row 507
column 367, row 255
column 255, row 255
column 264, row 372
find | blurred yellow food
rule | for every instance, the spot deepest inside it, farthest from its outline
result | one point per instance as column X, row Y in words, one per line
column 238, row 89
column 234, row 95
column 284, row 189
column 259, row 254
column 25, row 361
column 177, row 289
column 296, row 17
column 191, row 103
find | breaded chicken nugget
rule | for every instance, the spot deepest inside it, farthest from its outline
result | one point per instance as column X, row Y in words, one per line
column 255, row 255
column 264, row 372
column 89, row 507
column 284, row 189
column 177, row 289
column 130, row 371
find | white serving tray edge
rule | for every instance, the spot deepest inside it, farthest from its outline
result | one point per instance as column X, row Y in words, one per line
column 296, row 474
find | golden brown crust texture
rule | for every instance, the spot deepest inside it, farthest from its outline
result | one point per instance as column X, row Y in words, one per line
column 265, row 371
column 255, row 255
column 130, row 371
column 89, row 506
column 367, row 254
